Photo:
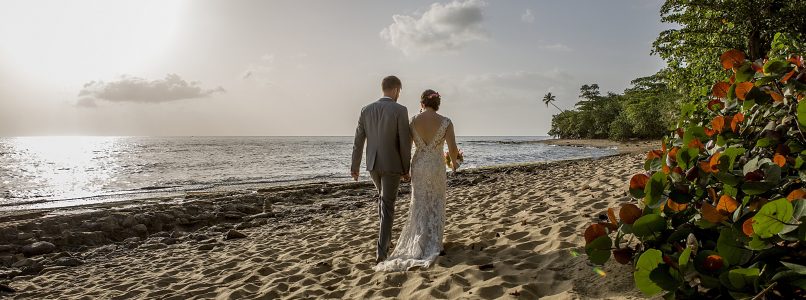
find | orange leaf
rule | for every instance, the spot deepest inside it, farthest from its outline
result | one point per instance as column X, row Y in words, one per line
column 705, row 166
column 800, row 97
column 594, row 231
column 718, row 123
column 710, row 214
column 797, row 60
column 674, row 206
column 677, row 170
column 726, row 205
column 638, row 181
column 712, row 194
column 747, row 227
column 611, row 215
column 653, row 154
column 776, row 96
column 779, row 160
column 673, row 153
column 713, row 164
column 742, row 89
column 695, row 143
column 787, row 76
column 713, row 262
column 629, row 213
column 665, row 169
column 734, row 123
column 680, row 131
column 720, row 89
column 731, row 58
column 708, row 131
column 796, row 194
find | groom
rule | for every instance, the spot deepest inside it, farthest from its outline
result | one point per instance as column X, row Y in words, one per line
column 384, row 125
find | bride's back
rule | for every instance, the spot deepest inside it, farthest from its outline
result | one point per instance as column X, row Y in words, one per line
column 427, row 124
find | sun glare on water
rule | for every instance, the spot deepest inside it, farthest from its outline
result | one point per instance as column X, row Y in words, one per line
column 62, row 167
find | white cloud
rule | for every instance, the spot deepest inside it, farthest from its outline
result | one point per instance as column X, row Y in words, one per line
column 559, row 47
column 528, row 17
column 444, row 27
column 134, row 89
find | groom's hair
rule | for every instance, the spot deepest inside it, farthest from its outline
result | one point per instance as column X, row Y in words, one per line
column 391, row 82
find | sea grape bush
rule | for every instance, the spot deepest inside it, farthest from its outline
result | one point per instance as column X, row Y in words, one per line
column 721, row 210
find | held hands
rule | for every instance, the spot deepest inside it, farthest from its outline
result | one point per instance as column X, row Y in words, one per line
column 406, row 177
column 355, row 175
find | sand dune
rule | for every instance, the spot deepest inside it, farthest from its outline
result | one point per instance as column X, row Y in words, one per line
column 510, row 234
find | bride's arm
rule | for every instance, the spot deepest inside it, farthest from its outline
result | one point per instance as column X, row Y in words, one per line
column 453, row 150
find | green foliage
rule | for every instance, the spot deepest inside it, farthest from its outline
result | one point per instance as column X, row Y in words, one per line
column 644, row 111
column 704, row 29
column 724, row 199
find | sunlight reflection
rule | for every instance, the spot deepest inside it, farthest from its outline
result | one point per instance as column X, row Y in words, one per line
column 64, row 167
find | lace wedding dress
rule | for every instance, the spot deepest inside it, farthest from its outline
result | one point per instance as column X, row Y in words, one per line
column 420, row 241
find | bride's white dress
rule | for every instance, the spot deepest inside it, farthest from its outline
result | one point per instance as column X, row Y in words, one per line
column 420, row 241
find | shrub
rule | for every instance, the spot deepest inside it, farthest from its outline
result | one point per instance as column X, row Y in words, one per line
column 721, row 208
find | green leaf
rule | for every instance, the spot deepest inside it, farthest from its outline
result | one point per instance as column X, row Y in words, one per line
column 682, row 261
column 758, row 244
column 732, row 153
column 648, row 261
column 662, row 277
column 798, row 212
column 802, row 113
column 772, row 217
column 795, row 267
column 756, row 187
column 599, row 250
column 692, row 133
column 741, row 278
column 648, row 225
column 728, row 247
column 776, row 66
column 745, row 72
column 654, row 188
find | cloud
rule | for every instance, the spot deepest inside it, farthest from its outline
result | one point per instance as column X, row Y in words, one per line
column 134, row 89
column 559, row 47
column 443, row 28
column 528, row 17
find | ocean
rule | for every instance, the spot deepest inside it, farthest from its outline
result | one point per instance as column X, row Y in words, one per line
column 51, row 172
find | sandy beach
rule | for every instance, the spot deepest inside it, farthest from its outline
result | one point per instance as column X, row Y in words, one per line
column 512, row 232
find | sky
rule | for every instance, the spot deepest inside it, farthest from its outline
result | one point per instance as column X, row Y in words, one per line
column 304, row 67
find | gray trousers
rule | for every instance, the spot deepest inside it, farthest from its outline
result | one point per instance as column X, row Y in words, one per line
column 387, row 185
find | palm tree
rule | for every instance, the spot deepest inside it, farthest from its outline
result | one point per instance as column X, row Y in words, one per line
column 549, row 99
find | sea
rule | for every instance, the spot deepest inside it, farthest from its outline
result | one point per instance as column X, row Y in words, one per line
column 56, row 172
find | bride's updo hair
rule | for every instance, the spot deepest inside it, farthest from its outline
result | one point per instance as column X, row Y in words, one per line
column 430, row 98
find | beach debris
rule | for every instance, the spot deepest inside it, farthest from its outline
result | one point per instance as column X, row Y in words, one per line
column 68, row 261
column 234, row 234
column 206, row 247
column 38, row 248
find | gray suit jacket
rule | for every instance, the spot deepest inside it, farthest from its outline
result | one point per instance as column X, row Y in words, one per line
column 384, row 125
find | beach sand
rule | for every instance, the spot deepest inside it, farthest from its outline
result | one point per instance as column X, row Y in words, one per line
column 512, row 233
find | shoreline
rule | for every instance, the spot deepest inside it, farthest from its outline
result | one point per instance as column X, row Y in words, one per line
column 204, row 221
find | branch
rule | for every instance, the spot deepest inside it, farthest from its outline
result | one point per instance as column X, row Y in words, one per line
column 760, row 295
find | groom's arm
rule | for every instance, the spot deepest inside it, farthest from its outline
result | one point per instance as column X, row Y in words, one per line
column 404, row 134
column 358, row 146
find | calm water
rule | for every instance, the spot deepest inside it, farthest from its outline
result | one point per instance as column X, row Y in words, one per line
column 39, row 172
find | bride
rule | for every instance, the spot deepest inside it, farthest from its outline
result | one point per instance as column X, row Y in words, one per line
column 420, row 241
